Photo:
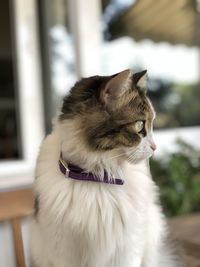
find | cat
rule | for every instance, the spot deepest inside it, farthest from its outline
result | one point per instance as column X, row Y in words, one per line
column 95, row 202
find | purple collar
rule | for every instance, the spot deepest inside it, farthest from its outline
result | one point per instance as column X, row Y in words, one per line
column 74, row 172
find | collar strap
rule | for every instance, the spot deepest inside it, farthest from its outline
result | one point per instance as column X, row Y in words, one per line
column 75, row 172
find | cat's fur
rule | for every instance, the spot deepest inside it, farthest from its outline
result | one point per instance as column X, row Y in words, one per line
column 92, row 224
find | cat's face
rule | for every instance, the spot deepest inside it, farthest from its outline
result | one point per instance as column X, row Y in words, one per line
column 113, row 114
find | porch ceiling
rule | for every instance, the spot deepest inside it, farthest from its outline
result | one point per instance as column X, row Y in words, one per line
column 164, row 20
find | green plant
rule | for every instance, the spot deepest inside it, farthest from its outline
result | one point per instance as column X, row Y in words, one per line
column 187, row 110
column 178, row 176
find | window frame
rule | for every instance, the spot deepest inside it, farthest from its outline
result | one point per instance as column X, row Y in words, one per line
column 18, row 173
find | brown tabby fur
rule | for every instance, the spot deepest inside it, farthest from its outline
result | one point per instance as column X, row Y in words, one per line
column 105, row 127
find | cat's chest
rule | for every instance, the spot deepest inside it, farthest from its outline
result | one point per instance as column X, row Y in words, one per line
column 96, row 205
column 101, row 210
column 105, row 217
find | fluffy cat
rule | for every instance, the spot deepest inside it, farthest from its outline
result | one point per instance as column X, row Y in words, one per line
column 105, row 127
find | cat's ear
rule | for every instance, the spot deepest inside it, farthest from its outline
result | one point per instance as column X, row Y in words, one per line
column 140, row 80
column 116, row 86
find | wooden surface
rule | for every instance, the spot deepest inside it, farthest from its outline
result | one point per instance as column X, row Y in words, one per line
column 18, row 242
column 16, row 204
column 186, row 230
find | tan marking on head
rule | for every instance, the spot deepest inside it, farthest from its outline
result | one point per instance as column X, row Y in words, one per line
column 107, row 125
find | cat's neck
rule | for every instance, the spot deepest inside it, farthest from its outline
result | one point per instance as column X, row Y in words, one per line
column 76, row 152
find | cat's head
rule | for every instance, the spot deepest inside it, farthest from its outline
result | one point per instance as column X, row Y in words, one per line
column 113, row 113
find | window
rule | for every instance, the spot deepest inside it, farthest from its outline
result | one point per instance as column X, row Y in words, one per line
column 10, row 136
column 21, row 115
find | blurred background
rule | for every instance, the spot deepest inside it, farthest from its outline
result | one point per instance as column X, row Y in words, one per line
column 47, row 45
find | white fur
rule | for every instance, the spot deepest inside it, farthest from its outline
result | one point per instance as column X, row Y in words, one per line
column 89, row 224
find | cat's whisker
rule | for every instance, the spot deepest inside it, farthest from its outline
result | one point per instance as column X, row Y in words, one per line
column 131, row 157
column 116, row 156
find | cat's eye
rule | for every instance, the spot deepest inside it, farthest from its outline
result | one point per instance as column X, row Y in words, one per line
column 138, row 126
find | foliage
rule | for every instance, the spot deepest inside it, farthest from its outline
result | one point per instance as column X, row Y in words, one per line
column 178, row 176
column 187, row 110
column 176, row 104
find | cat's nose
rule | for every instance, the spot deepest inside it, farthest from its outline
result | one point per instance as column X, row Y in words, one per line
column 153, row 146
